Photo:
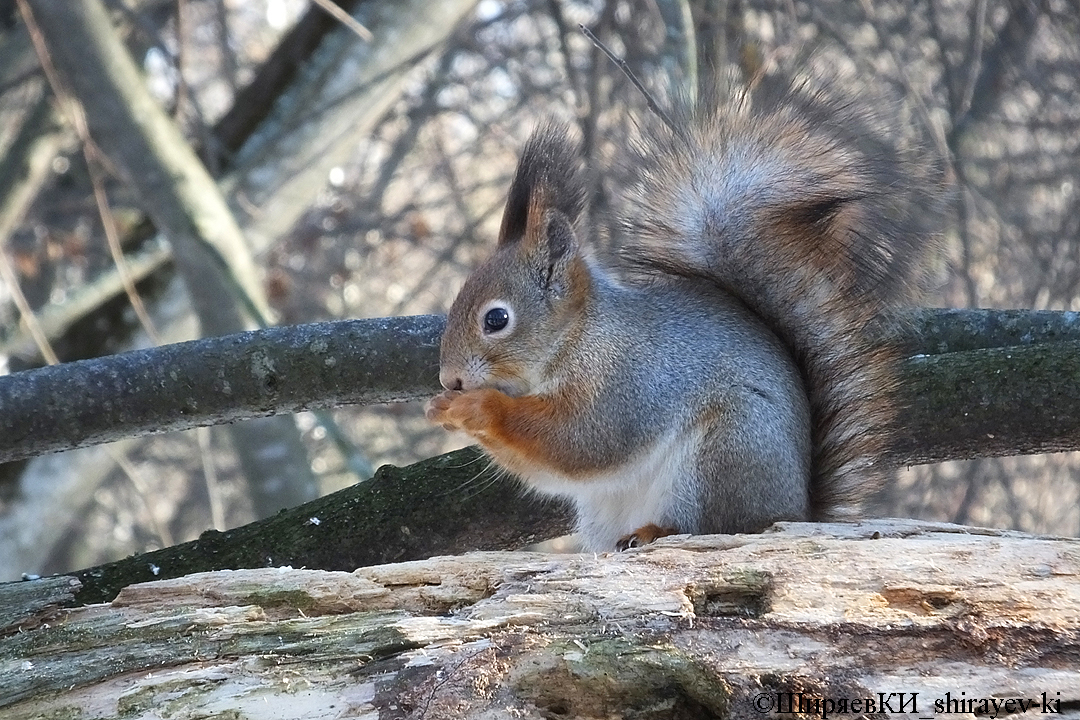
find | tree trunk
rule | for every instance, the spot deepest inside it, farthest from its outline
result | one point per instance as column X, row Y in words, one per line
column 885, row 617
column 342, row 92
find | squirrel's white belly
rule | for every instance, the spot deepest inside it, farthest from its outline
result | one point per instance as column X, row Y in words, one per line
column 650, row 487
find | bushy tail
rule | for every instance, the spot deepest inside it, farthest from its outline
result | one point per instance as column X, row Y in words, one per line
column 799, row 206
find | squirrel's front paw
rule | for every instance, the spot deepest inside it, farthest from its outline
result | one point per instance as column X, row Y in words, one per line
column 457, row 410
column 437, row 409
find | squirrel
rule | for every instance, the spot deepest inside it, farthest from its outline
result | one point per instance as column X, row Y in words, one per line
column 726, row 370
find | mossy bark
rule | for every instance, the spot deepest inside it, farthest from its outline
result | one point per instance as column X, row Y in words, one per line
column 434, row 507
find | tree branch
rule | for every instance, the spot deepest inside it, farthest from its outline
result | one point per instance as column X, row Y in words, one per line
column 1002, row 385
column 185, row 203
column 316, row 123
column 146, row 145
column 995, row 383
column 446, row 505
column 217, row 380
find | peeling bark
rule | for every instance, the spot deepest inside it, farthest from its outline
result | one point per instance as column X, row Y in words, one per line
column 880, row 618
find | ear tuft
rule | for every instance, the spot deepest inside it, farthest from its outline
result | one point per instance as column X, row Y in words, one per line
column 548, row 177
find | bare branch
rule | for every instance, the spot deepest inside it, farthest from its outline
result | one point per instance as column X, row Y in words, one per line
column 621, row 64
column 184, row 202
column 983, row 383
column 217, row 380
column 345, row 19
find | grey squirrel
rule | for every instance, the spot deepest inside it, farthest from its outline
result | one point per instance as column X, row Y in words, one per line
column 727, row 372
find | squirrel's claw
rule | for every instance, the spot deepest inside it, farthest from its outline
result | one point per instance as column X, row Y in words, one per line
column 437, row 409
column 643, row 536
column 470, row 411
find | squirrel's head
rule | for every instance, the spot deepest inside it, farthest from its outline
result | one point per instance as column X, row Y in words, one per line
column 517, row 309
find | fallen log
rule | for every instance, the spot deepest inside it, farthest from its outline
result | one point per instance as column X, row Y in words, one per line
column 881, row 617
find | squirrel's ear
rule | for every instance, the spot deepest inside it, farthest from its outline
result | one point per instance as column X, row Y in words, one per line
column 561, row 241
column 554, row 250
column 548, row 177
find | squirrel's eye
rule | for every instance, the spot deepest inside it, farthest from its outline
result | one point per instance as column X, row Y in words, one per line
column 496, row 319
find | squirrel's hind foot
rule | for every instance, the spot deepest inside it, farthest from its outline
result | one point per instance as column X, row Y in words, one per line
column 643, row 536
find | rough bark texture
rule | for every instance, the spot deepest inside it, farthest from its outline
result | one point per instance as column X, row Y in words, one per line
column 217, row 380
column 875, row 619
column 1016, row 400
column 985, row 383
column 933, row 331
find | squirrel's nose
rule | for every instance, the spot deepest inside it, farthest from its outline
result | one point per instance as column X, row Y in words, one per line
column 450, row 381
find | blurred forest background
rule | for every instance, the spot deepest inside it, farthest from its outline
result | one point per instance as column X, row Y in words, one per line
column 367, row 175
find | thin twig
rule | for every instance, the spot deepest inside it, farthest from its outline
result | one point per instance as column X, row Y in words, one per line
column 143, row 491
column 621, row 64
column 112, row 236
column 182, row 89
column 345, row 19
column 95, row 162
column 213, row 487
column 63, row 98
column 25, row 311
